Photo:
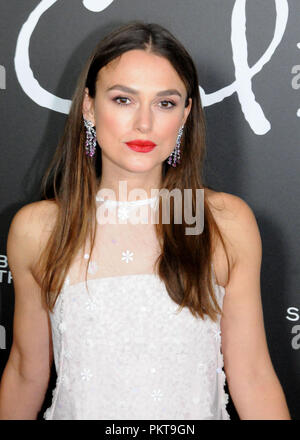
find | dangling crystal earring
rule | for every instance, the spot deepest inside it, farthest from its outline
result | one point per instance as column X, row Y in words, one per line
column 174, row 157
column 90, row 142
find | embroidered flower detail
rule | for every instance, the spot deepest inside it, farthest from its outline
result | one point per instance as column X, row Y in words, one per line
column 62, row 327
column 157, row 394
column 90, row 305
column 219, row 370
column 127, row 256
column 217, row 334
column 123, row 213
column 93, row 267
column 86, row 374
column 86, row 256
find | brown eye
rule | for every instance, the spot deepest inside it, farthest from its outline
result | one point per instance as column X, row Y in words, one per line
column 120, row 97
column 169, row 102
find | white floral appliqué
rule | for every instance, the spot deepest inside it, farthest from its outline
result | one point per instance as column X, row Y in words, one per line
column 90, row 305
column 86, row 374
column 62, row 327
column 123, row 213
column 157, row 394
column 127, row 256
column 217, row 334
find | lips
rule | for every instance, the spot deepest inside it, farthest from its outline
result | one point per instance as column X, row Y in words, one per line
column 141, row 143
column 141, row 146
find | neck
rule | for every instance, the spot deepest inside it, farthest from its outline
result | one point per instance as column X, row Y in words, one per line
column 129, row 187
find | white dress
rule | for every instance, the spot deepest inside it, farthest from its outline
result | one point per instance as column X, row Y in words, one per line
column 121, row 349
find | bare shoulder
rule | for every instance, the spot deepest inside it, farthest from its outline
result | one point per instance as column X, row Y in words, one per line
column 35, row 218
column 238, row 226
column 227, row 206
column 32, row 224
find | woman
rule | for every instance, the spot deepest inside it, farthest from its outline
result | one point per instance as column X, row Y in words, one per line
column 137, row 310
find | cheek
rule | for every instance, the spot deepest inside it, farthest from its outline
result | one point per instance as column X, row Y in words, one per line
column 168, row 130
column 110, row 121
column 110, row 129
column 170, row 126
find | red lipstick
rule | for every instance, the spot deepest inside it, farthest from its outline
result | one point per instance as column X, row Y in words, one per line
column 140, row 145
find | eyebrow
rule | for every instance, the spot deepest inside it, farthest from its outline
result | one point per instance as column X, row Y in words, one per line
column 135, row 92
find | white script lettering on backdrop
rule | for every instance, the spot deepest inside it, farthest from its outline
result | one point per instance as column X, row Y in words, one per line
column 2, row 78
column 242, row 85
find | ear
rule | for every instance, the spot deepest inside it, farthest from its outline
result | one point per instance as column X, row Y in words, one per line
column 186, row 111
column 88, row 111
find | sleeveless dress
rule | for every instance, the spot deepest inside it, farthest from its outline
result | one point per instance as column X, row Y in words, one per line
column 122, row 350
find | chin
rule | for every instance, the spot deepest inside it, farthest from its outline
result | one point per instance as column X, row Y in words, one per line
column 142, row 164
column 139, row 167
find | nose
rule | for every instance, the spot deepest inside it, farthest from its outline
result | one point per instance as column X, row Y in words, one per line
column 143, row 118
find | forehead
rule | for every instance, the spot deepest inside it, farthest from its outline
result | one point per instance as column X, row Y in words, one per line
column 141, row 70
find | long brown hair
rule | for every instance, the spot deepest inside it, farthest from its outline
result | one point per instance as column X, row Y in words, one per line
column 72, row 179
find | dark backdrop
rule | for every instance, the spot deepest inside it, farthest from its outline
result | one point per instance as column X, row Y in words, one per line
column 248, row 58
